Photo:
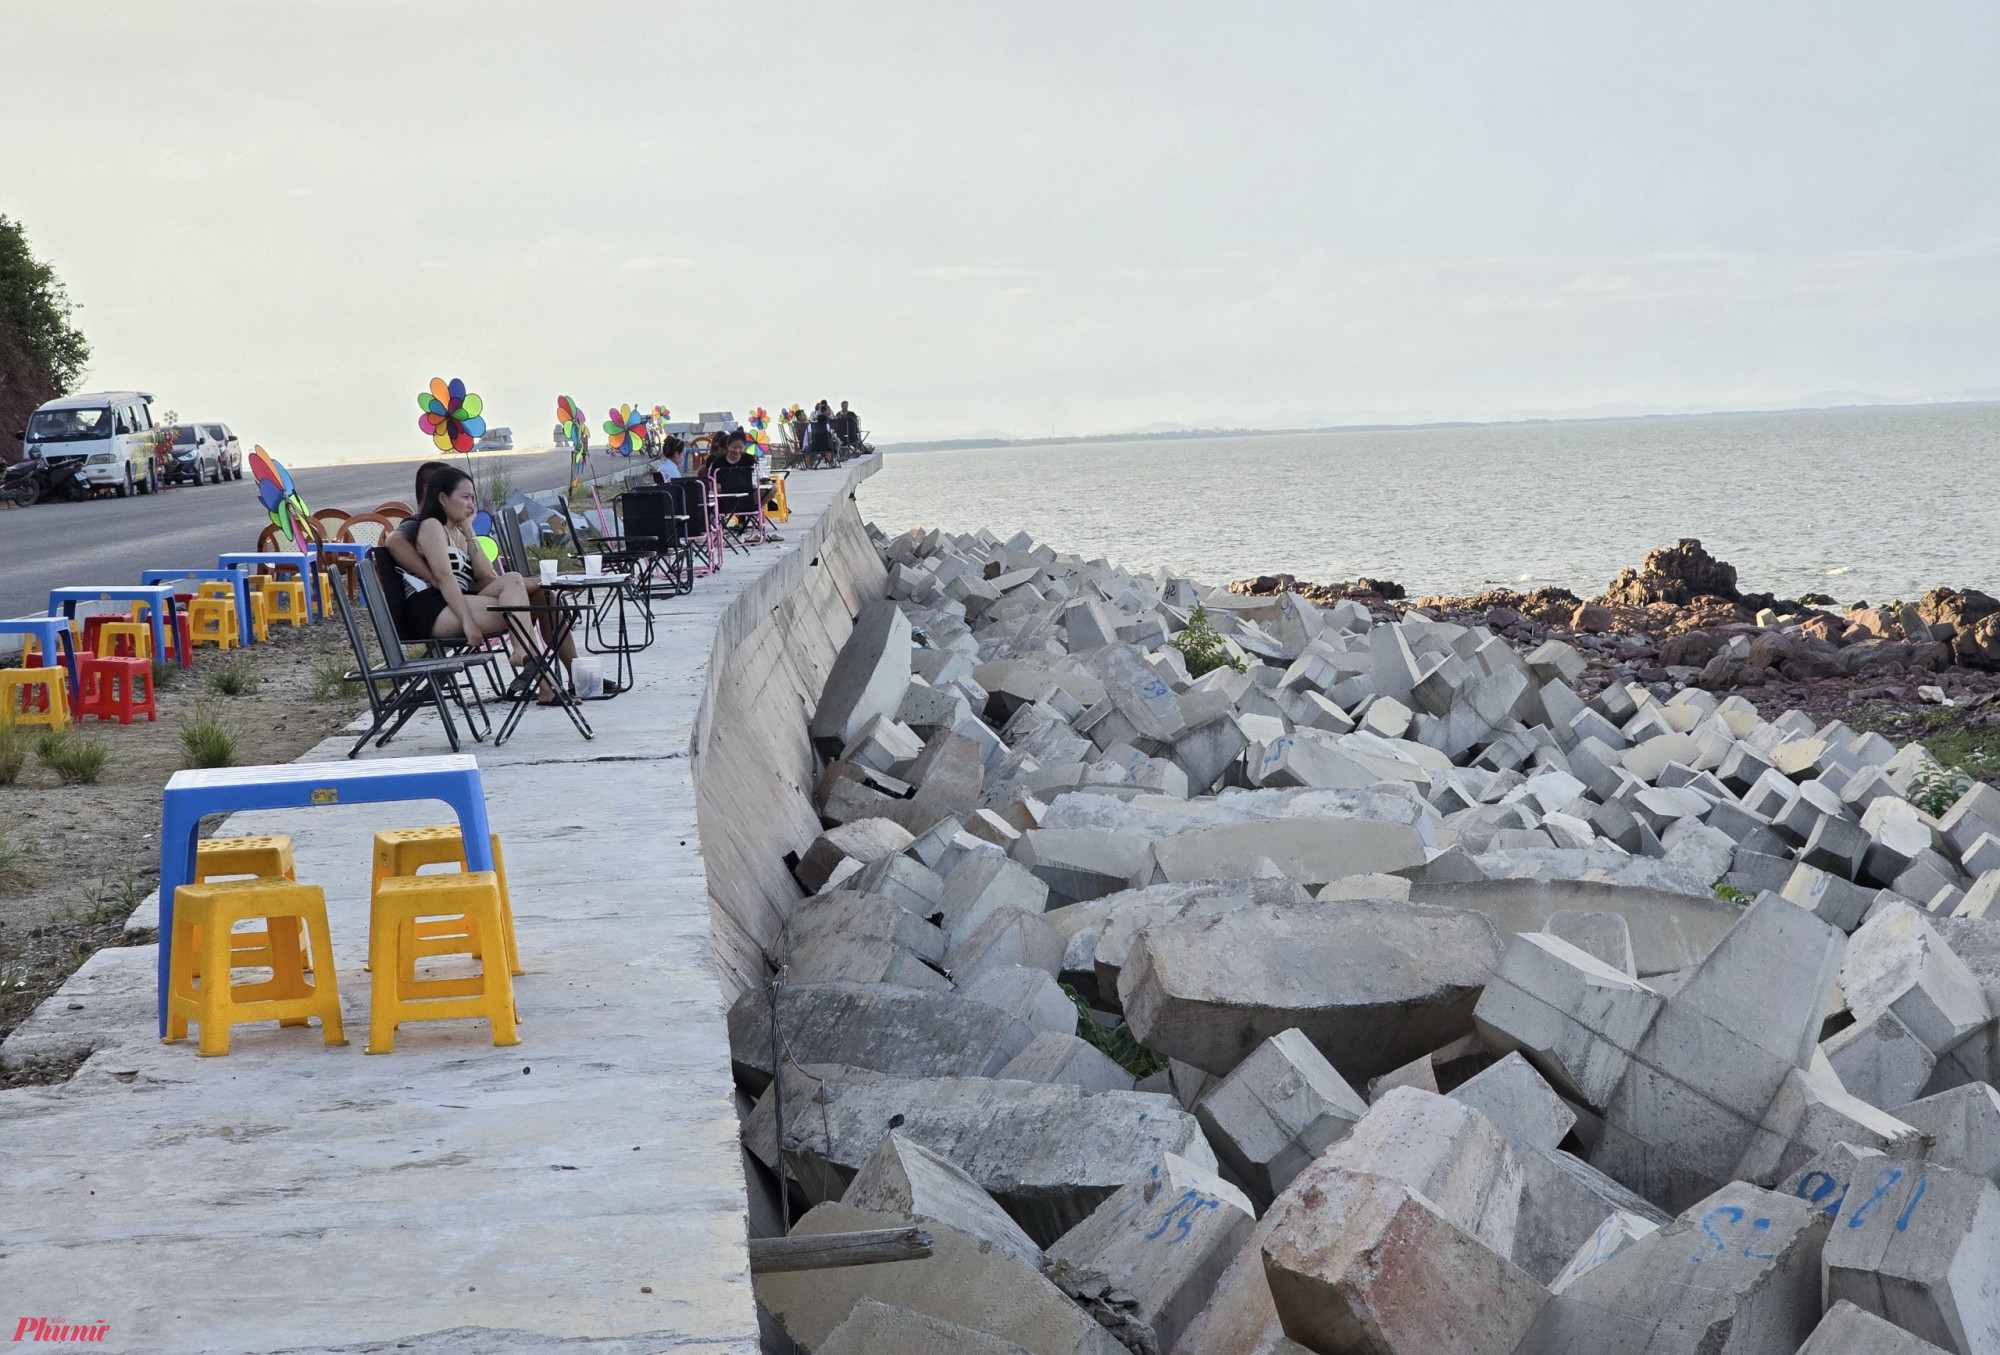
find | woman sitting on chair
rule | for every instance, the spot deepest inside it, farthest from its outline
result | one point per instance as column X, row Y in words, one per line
column 736, row 479
column 457, row 598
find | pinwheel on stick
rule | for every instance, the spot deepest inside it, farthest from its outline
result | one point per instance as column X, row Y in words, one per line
column 627, row 427
column 451, row 415
column 280, row 498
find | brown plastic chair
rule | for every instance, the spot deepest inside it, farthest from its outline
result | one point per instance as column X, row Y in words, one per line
column 367, row 529
column 329, row 519
column 395, row 510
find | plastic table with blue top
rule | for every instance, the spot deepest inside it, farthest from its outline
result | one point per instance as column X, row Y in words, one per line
column 53, row 633
column 245, row 633
column 248, row 560
column 163, row 613
column 190, row 795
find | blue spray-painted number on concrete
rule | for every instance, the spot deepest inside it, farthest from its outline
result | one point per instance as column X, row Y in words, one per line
column 1184, row 1213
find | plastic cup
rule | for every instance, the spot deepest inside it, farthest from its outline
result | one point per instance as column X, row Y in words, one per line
column 548, row 571
column 593, row 565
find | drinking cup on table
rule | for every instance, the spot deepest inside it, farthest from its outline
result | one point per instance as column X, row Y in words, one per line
column 548, row 571
column 593, row 564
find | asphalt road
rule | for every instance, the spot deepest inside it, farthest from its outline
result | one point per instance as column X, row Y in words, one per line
column 99, row 541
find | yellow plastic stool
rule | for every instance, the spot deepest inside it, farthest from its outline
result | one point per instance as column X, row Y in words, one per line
column 284, row 599
column 35, row 696
column 326, row 592
column 260, row 614
column 211, row 912
column 401, row 851
column 217, row 858
column 138, row 632
column 400, row 903
column 780, row 507
column 212, row 617
column 31, row 652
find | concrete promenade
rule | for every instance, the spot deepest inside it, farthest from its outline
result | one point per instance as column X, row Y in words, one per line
column 452, row 1196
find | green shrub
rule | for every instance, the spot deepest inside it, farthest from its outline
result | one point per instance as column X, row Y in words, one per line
column 75, row 758
column 1117, row 1041
column 1731, row 894
column 206, row 739
column 236, row 679
column 1936, row 789
column 1202, row 647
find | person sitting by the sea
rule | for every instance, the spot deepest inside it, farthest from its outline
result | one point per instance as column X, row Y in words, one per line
column 847, row 427
column 821, row 445
column 452, row 592
column 403, row 553
column 735, row 477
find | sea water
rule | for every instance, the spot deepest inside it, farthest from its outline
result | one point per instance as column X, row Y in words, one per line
column 1859, row 504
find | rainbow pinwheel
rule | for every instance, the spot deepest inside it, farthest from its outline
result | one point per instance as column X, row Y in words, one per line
column 627, row 427
column 280, row 497
column 451, row 415
column 760, row 418
column 661, row 413
column 568, row 418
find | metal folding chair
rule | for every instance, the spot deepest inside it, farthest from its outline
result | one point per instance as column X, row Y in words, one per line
column 397, row 687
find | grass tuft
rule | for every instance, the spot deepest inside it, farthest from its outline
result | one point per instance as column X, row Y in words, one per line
column 14, row 861
column 13, row 751
column 235, row 679
column 75, row 757
column 206, row 739
column 329, row 676
column 1116, row 1041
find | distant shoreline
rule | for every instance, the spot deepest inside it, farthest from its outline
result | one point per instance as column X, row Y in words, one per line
column 1191, row 434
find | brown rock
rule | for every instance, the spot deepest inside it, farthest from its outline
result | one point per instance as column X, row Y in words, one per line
column 1720, row 672
column 1873, row 620
column 1873, row 654
column 1503, row 618
column 1823, row 626
column 1960, row 611
column 1979, row 647
column 1591, row 618
column 1678, row 575
column 1932, row 656
column 1690, row 649
column 1772, row 648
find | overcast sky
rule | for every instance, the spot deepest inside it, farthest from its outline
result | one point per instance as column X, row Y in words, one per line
column 1025, row 217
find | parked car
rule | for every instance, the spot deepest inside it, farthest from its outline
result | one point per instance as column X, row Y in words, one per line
column 108, row 436
column 497, row 440
column 193, row 457
column 229, row 447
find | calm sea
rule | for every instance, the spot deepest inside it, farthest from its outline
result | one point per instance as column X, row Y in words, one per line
column 1872, row 504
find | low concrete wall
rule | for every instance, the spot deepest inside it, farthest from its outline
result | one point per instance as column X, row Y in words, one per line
column 753, row 766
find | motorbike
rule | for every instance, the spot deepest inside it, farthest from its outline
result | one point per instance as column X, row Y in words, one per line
column 31, row 481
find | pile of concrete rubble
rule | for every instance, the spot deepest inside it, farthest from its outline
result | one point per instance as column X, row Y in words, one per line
column 1493, row 1019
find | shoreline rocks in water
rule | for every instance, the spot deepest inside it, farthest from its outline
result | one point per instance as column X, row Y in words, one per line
column 1438, row 945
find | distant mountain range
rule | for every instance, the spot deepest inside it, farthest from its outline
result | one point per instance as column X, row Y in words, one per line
column 1367, row 421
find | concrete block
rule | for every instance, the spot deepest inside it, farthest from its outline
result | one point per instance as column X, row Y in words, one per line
column 1880, row 1060
column 1029, row 995
column 868, row 678
column 903, row 1177
column 1276, row 1111
column 1606, row 935
column 1371, row 886
column 1372, row 984
column 1828, row 897
column 1963, row 1126
column 1049, row 1153
column 988, row 826
column 906, row 1032
column 1848, row 1330
column 1647, row 760
column 1810, row 1114
column 862, row 841
column 1919, row 1246
column 1737, row 1272
column 1079, row 864
column 1564, row 1203
column 882, row 743
column 1618, row 1231
column 1982, row 856
column 1576, row 1019
column 1054, row 1057
column 983, row 882
column 1008, row 936
column 1366, row 1263
column 966, row 1283
column 1519, row 1102
column 1146, row 1260
column 906, row 881
column 1088, row 626
column 1982, row 901
column 1837, row 846
column 1554, row 661
column 1447, row 1150
column 1897, row 962
column 1311, row 851
column 875, row 1328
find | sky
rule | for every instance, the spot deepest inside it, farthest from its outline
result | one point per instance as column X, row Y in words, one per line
column 1020, row 218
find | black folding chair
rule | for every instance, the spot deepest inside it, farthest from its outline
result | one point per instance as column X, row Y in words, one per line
column 389, row 585
column 397, row 687
column 653, row 544
column 513, row 550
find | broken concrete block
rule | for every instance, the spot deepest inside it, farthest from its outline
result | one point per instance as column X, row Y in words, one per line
column 1915, row 1244
column 1880, row 1060
column 1365, row 1263
column 1047, row 1152
column 903, row 1177
column 1963, row 1126
column 983, row 882
column 1605, row 935
column 1008, row 936
column 1519, row 1102
column 908, row 1032
column 1078, row 864
column 1371, row 886
column 1848, row 1330
column 1828, row 897
column 1055, row 1057
column 1897, row 962
column 1145, row 1261
column 876, row 1328
column 882, row 743
column 1811, row 1114
column 966, row 1282
column 868, row 678
column 1618, row 1231
column 1576, row 1019
column 1029, row 994
column 860, row 938
column 1276, row 1111
column 860, row 840
column 902, row 879
column 1372, row 984
column 1737, row 1272
column 1311, row 851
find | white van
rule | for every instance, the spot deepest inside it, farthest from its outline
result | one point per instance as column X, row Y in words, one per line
column 110, row 433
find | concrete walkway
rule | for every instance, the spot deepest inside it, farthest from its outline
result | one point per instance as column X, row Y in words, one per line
column 451, row 1196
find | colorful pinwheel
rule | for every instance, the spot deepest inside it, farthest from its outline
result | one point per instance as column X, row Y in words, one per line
column 661, row 413
column 568, row 418
column 451, row 415
column 484, row 533
column 760, row 418
column 627, row 427
column 280, row 497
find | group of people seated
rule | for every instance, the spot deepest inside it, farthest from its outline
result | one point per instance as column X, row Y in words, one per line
column 827, row 438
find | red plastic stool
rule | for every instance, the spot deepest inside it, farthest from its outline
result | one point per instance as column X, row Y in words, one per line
column 93, row 624
column 177, row 634
column 111, row 689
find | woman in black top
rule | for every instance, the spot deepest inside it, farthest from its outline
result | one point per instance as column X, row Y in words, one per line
column 735, row 478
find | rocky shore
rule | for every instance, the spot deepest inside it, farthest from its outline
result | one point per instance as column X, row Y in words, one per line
column 1295, row 968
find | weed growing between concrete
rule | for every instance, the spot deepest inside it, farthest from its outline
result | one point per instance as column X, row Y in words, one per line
column 1202, row 647
column 1731, row 894
column 75, row 757
column 206, row 739
column 1116, row 1041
